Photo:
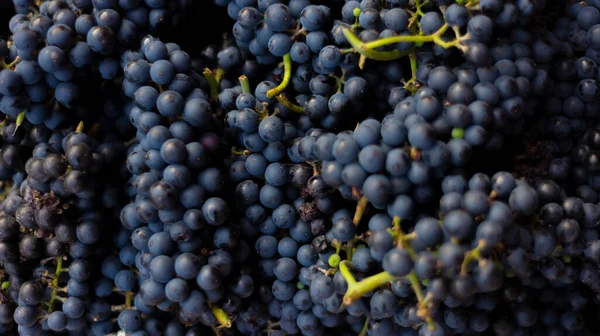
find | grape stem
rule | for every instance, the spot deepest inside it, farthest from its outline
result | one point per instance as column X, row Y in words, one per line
column 12, row 64
column 128, row 298
column 435, row 38
column 412, row 84
column 419, row 5
column 345, row 270
column 219, row 73
column 403, row 241
column 365, row 328
column 235, row 151
column 472, row 4
column 213, row 84
column 416, row 285
column 367, row 49
column 287, row 75
column 34, row 10
column 288, row 104
column 298, row 32
column 361, row 48
column 422, row 309
column 360, row 210
column 5, row 187
column 245, row 84
column 340, row 81
column 221, row 316
column 358, row 289
column 471, row 255
column 20, row 120
column 130, row 142
column 337, row 245
column 54, row 292
column 349, row 250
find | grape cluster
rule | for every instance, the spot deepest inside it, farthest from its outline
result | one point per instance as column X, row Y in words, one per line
column 284, row 210
column 53, row 222
column 57, row 49
column 185, row 246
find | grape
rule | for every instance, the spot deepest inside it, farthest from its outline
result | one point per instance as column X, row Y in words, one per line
column 129, row 320
column 57, row 321
column 278, row 17
column 397, row 262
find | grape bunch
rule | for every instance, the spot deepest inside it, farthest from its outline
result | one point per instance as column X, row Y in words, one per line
column 185, row 245
column 54, row 218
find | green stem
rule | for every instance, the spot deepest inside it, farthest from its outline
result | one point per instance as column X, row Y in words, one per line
column 221, row 316
column 413, row 64
column 287, row 75
column 414, row 24
column 245, row 84
column 5, row 187
column 349, row 246
column 435, row 37
column 212, row 83
column 474, row 254
column 358, row 289
column 345, row 270
column 422, row 308
column 365, row 328
column 130, row 142
column 54, row 292
column 288, row 104
column 356, row 13
column 79, row 128
column 34, row 10
column 20, row 120
column 13, row 63
column 362, row 49
column 219, row 73
column 472, row 4
column 244, row 152
column 128, row 298
column 419, row 5
column 416, row 285
column 235, row 151
column 360, row 210
column 337, row 245
column 403, row 241
column 411, row 84
column 340, row 81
